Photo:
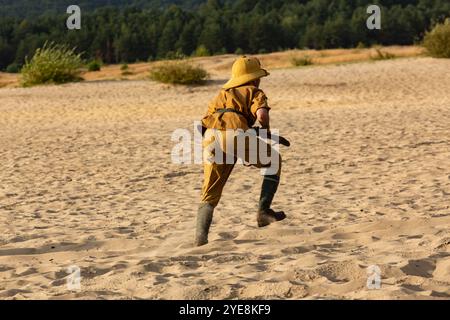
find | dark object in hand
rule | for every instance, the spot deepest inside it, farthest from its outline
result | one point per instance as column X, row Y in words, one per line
column 281, row 140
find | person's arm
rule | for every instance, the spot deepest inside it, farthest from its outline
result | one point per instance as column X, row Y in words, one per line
column 262, row 115
column 211, row 109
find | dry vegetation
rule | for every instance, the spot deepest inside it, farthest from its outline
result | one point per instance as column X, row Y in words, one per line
column 179, row 72
column 437, row 41
column 52, row 64
column 222, row 64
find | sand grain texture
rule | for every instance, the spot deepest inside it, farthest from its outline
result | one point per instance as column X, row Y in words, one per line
column 87, row 180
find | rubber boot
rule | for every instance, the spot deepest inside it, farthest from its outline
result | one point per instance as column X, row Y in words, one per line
column 266, row 215
column 204, row 219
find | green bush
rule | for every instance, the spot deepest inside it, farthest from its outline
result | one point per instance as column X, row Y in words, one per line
column 179, row 72
column 52, row 64
column 125, row 70
column 437, row 41
column 94, row 65
column 177, row 55
column 239, row 52
column 13, row 68
column 301, row 61
column 380, row 55
column 201, row 51
column 361, row 45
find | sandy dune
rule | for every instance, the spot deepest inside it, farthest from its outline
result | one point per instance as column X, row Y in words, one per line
column 217, row 65
column 87, row 180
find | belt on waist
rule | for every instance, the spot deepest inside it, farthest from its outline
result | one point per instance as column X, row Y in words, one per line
column 230, row 110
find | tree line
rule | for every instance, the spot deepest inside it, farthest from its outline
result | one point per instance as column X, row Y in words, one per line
column 130, row 34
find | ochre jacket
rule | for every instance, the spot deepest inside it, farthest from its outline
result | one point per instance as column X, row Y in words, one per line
column 235, row 108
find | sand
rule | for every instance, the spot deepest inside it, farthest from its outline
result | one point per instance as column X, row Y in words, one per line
column 218, row 65
column 87, row 180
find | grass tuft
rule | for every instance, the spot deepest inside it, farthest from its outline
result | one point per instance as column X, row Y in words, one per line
column 301, row 61
column 437, row 41
column 52, row 63
column 179, row 72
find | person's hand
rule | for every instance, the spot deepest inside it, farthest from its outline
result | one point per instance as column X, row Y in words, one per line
column 262, row 115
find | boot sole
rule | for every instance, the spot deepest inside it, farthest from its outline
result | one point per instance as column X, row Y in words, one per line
column 269, row 219
column 200, row 244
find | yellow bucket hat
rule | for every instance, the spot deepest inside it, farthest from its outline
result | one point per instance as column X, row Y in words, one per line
column 245, row 69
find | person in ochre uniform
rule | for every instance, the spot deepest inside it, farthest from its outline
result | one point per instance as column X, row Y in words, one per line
column 234, row 111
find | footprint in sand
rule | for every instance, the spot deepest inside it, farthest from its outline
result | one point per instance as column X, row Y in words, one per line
column 319, row 229
column 228, row 235
column 421, row 268
column 296, row 250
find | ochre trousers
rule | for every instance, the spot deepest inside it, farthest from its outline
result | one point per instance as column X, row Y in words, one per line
column 223, row 149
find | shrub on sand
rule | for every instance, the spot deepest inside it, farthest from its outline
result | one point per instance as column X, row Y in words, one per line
column 125, row 70
column 177, row 55
column 52, row 64
column 179, row 72
column 361, row 45
column 239, row 52
column 437, row 41
column 301, row 61
column 201, row 51
column 94, row 65
column 13, row 68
